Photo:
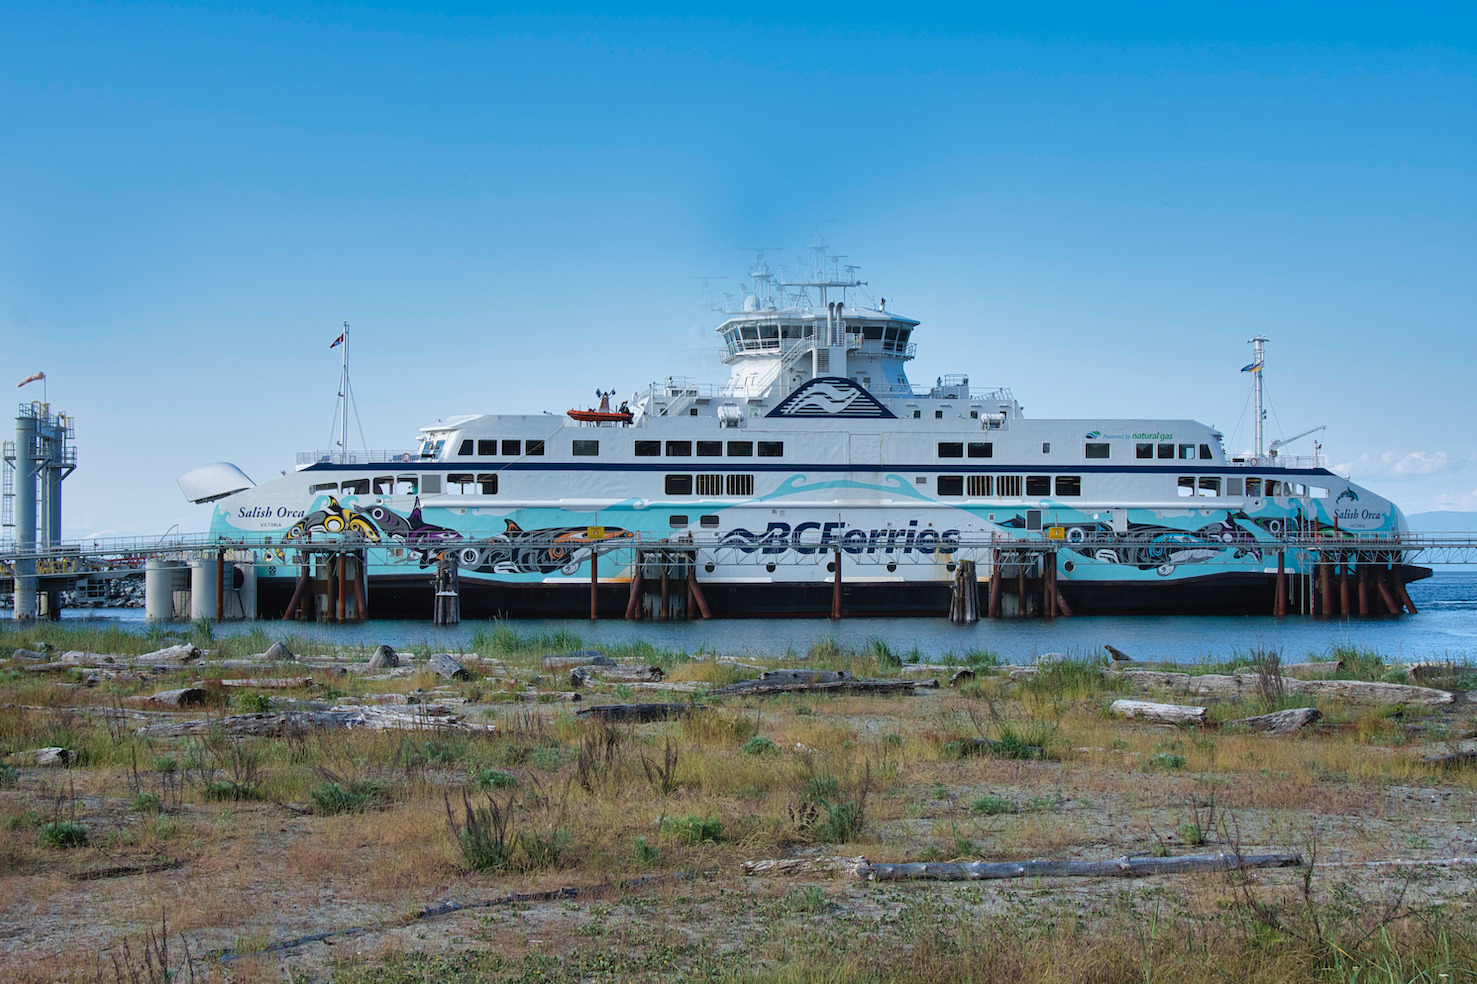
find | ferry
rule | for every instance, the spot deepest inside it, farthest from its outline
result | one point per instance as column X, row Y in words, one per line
column 818, row 449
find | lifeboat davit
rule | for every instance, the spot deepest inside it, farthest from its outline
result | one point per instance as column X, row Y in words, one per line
column 601, row 416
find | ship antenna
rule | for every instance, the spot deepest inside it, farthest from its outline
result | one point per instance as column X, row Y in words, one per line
column 1257, row 363
column 345, row 400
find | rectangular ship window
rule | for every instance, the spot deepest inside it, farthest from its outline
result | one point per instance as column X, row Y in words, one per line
column 679, row 485
column 710, row 449
column 951, row 449
column 980, row 485
column 1274, row 487
column 1205, row 453
column 465, row 448
column 512, row 447
column 741, row 449
column 648, row 449
column 1143, row 450
column 315, row 489
column 1008, row 486
column 1186, row 487
column 741, row 485
column 676, row 522
column 981, row 449
column 457, row 482
column 535, row 448
column 486, row 447
column 1098, row 450
column 407, row 485
column 951, row 485
column 1069, row 485
column 1254, row 487
column 1038, row 485
column 359, row 486
column 487, row 483
column 584, row 449
column 1318, row 491
column 708, row 522
column 771, row 449
column 1210, row 487
column 1187, row 452
column 1166, row 451
column 679, row 449
column 709, row 484
column 384, row 485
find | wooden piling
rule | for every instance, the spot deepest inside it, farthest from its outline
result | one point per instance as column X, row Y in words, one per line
column 448, row 610
column 633, row 603
column 1279, row 600
column 1325, row 583
column 1345, row 608
column 342, row 612
column 993, row 609
column 1361, row 573
column 666, row 609
column 836, row 588
column 361, row 585
column 1020, row 587
column 964, row 599
column 1048, row 586
column 594, row 585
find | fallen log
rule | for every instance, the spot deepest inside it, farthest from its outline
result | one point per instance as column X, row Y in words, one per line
column 763, row 687
column 582, row 676
column 183, row 653
column 828, row 866
column 1168, row 713
column 1124, row 867
column 447, row 666
column 180, row 697
column 268, row 683
column 29, row 654
column 638, row 713
column 1452, row 758
column 1280, row 722
column 297, row 722
column 588, row 657
column 1364, row 690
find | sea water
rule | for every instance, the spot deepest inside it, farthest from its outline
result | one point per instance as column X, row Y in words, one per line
column 1446, row 628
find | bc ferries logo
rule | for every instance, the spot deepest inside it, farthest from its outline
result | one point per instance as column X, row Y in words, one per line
column 831, row 396
column 811, row 538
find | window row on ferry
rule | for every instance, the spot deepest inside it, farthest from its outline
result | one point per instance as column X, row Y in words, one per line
column 1091, row 450
column 507, row 447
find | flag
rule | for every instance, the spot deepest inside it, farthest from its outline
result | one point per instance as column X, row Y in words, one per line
column 30, row 379
column 1254, row 367
column 338, row 341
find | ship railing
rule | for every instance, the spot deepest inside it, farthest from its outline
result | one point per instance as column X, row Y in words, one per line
column 1278, row 461
column 401, row 456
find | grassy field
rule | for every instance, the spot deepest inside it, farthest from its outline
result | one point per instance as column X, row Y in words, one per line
column 216, row 855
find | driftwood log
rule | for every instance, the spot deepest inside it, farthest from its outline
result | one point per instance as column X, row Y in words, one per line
column 638, row 713
column 1168, row 713
column 295, row 722
column 268, row 683
column 1124, row 867
column 180, row 697
column 850, row 685
column 589, row 657
column 582, row 676
column 1280, row 722
column 448, row 666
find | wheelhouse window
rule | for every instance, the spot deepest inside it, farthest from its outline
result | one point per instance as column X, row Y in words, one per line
column 534, row 448
column 741, row 449
column 951, row 485
column 465, row 448
column 1038, row 485
column 981, row 449
column 512, row 447
column 1166, row 451
column 584, row 449
column 771, row 449
column 1008, row 486
column 978, row 485
column 709, row 484
column 679, row 485
column 1187, row 452
column 710, row 449
column 1068, row 485
column 1098, row 449
column 1143, row 450
column 740, row 484
column 648, row 449
column 679, row 449
column 1205, row 453
column 486, row 447
column 951, row 449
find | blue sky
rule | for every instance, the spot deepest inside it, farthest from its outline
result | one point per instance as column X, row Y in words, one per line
column 1095, row 205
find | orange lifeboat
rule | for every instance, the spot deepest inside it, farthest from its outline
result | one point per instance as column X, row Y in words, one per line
column 600, row 416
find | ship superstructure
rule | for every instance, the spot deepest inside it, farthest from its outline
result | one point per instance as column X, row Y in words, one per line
column 818, row 447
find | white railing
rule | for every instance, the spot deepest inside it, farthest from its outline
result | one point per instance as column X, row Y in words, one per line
column 358, row 457
column 1279, row 461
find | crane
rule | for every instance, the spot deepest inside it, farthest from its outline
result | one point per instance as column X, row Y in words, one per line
column 1272, row 448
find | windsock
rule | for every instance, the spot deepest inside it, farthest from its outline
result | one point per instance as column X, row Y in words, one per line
column 30, row 379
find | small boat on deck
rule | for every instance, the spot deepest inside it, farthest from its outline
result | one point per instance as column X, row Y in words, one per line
column 600, row 416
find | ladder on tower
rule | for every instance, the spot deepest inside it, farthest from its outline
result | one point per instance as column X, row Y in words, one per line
column 7, row 486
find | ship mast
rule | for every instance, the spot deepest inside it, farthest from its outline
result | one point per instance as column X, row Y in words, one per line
column 1258, row 414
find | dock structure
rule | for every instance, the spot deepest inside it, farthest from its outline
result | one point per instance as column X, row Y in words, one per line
column 33, row 467
column 662, row 578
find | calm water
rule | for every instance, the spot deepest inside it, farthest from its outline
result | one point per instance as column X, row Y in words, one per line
column 1445, row 628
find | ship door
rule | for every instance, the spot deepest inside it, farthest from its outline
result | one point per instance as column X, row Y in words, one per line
column 864, row 450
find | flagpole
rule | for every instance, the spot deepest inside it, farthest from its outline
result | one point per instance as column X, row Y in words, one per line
column 343, row 398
